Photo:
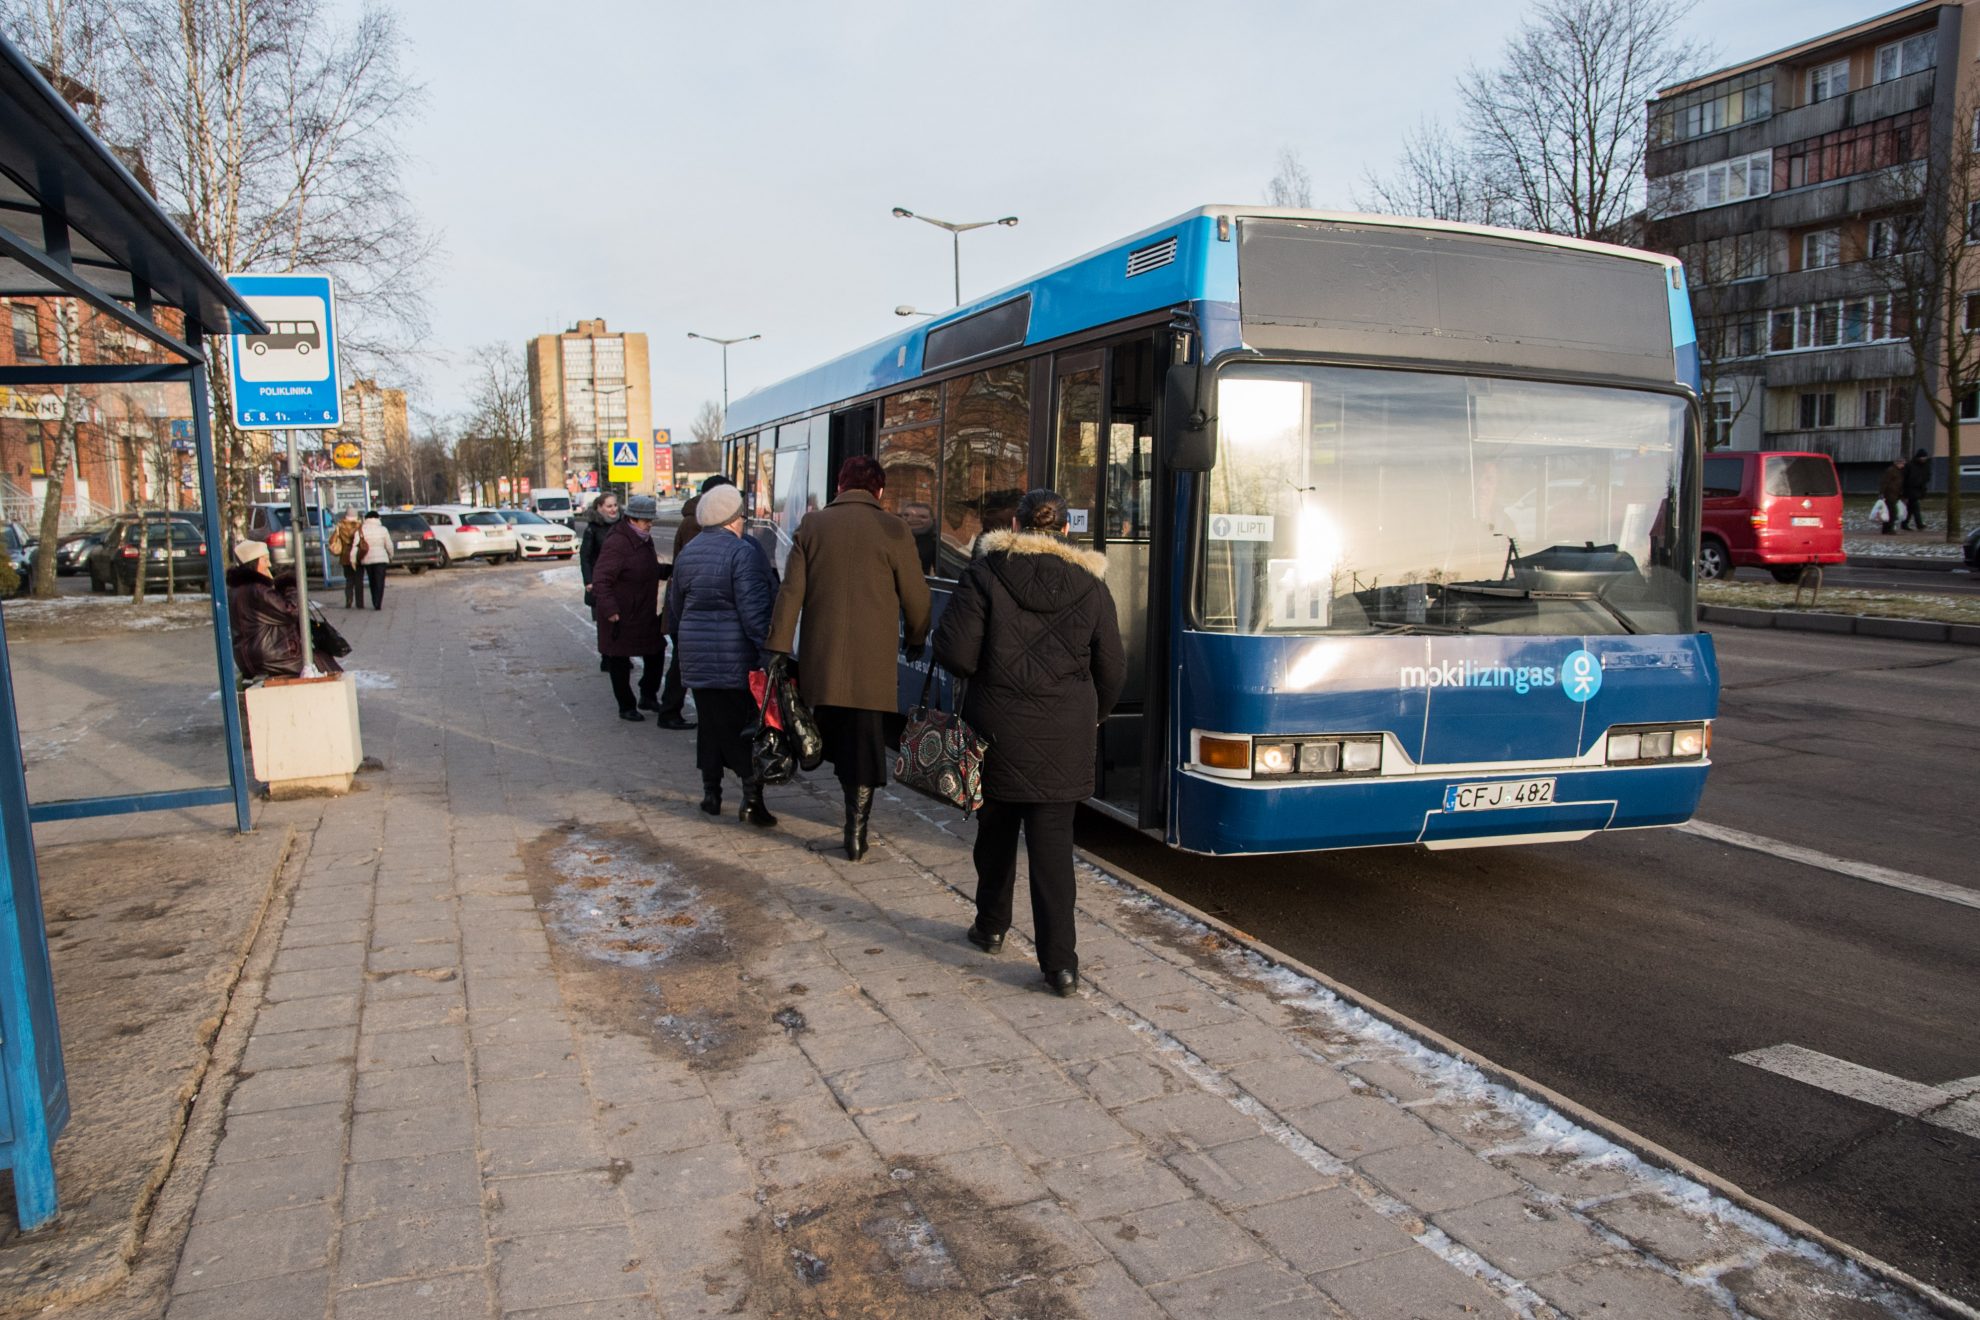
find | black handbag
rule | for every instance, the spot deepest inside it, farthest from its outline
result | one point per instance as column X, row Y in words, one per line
column 324, row 637
column 807, row 741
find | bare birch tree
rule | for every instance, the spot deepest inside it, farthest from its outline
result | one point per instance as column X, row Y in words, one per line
column 1291, row 185
column 498, row 414
column 1437, row 179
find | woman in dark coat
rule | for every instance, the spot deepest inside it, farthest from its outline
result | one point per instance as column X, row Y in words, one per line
column 1890, row 489
column 625, row 590
column 855, row 579
column 1032, row 627
column 604, row 515
column 718, row 609
column 264, row 618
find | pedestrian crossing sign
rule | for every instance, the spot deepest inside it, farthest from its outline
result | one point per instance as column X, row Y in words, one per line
column 627, row 460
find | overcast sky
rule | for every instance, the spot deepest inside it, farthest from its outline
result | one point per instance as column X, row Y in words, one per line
column 730, row 168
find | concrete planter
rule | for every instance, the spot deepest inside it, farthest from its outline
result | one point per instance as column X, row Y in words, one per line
column 304, row 734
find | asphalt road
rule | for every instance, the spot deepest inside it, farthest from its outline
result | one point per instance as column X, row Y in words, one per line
column 1957, row 580
column 1626, row 972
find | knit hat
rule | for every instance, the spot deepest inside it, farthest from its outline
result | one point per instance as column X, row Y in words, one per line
column 246, row 552
column 643, row 508
column 717, row 506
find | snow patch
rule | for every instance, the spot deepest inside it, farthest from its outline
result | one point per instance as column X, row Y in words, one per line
column 622, row 911
column 560, row 576
column 368, row 680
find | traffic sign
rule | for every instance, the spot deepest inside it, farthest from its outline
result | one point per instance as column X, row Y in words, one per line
column 287, row 377
column 626, row 460
column 347, row 455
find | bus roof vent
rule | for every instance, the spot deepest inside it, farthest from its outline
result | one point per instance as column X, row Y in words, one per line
column 1143, row 260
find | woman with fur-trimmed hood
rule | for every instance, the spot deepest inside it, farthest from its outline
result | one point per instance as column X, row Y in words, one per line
column 1032, row 628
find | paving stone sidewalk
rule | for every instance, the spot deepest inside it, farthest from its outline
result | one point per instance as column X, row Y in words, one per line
column 542, row 1040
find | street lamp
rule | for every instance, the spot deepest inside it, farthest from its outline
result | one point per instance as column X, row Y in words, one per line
column 905, row 310
column 956, row 231
column 741, row 339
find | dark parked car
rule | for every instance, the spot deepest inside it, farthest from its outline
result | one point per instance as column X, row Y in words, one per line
column 173, row 549
column 272, row 525
column 72, row 551
column 414, row 547
column 1973, row 549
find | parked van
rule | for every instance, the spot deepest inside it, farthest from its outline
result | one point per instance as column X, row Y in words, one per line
column 1773, row 509
column 552, row 504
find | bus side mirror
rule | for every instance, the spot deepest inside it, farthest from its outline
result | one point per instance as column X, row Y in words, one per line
column 1192, row 431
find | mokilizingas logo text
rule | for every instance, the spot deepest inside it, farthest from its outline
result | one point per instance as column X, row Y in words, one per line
column 1580, row 676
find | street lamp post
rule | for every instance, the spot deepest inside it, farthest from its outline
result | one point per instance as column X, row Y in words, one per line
column 740, row 339
column 956, row 231
column 906, row 310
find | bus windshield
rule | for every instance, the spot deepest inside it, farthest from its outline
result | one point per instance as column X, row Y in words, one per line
column 1359, row 500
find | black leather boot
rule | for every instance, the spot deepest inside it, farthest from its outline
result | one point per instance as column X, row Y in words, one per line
column 859, row 807
column 711, row 796
column 753, row 811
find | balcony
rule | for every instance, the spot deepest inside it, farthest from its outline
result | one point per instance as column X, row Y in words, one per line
column 1855, row 280
column 1840, row 198
column 1839, row 366
column 1896, row 97
column 1845, row 444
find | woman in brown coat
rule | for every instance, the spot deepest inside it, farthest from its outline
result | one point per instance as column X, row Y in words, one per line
column 625, row 589
column 855, row 581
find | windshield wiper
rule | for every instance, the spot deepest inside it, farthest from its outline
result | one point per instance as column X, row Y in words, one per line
column 1524, row 593
column 1404, row 629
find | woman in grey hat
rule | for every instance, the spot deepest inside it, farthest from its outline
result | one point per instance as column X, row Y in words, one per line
column 625, row 589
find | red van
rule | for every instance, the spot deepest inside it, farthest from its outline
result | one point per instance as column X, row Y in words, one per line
column 1771, row 509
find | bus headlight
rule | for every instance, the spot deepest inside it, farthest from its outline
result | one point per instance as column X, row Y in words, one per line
column 1274, row 758
column 1237, row 756
column 1659, row 742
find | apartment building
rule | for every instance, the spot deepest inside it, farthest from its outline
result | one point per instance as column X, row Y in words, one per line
column 587, row 386
column 1781, row 182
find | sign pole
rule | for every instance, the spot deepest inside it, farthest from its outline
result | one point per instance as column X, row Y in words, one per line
column 298, row 513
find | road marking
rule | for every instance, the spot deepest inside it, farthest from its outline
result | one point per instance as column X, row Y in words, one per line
column 1876, row 875
column 1941, row 1106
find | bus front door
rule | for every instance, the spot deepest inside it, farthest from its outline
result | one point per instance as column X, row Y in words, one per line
column 1104, row 434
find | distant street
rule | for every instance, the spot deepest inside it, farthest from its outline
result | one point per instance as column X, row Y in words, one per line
column 1953, row 581
column 1627, row 972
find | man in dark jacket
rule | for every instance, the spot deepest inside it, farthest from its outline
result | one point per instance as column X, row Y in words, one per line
column 625, row 585
column 1890, row 489
column 1032, row 627
column 718, row 610
column 673, row 699
column 1917, row 480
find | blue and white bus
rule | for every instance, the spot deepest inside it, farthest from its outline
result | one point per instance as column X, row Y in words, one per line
column 1401, row 517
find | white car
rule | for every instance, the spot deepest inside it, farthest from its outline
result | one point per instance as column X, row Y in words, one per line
column 538, row 537
column 468, row 531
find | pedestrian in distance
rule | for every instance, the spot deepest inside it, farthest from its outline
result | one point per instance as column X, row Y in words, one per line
column 265, row 619
column 673, row 697
column 854, row 581
column 1032, row 628
column 1890, row 489
column 1917, row 481
column 718, row 611
column 374, row 553
column 625, row 584
column 604, row 512
column 343, row 539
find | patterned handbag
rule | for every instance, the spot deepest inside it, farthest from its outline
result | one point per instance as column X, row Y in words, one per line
column 940, row 754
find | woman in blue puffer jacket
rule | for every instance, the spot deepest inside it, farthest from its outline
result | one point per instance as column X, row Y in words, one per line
column 718, row 607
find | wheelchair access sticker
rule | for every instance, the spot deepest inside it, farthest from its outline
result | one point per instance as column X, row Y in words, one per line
column 1581, row 675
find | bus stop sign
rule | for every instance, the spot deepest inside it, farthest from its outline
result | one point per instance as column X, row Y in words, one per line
column 287, row 377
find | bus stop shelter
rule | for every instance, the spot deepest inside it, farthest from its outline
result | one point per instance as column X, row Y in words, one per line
column 76, row 225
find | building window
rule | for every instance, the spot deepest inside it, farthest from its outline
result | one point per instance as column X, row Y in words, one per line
column 27, row 333
column 1718, row 184
column 1721, row 422
column 1886, row 406
column 1827, row 80
column 1719, row 260
column 1848, row 151
column 1821, row 248
column 1722, row 105
column 1817, row 410
column 1969, row 319
column 1843, row 323
column 1969, row 406
column 1732, row 337
column 1912, row 55
column 1887, row 238
column 1973, row 222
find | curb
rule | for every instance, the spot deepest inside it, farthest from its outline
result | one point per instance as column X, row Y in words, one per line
column 1908, row 563
column 1642, row 1147
column 1909, row 630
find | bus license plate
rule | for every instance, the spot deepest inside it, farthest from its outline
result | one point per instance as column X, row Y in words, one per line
column 1807, row 522
column 1500, row 793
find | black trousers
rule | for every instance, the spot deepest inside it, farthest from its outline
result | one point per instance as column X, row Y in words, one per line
column 720, row 743
column 1914, row 516
column 673, row 697
column 620, row 669
column 353, row 587
column 374, row 574
column 1048, row 843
